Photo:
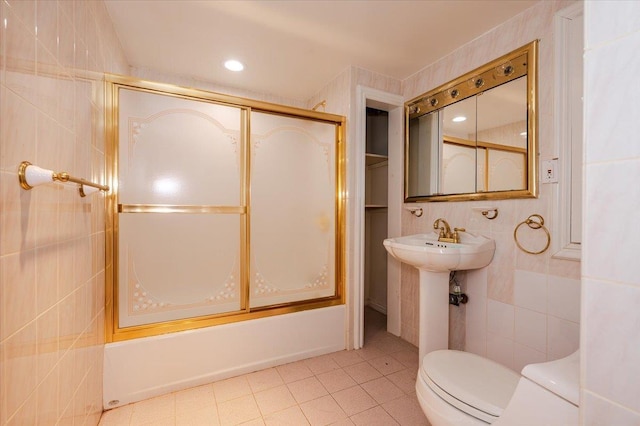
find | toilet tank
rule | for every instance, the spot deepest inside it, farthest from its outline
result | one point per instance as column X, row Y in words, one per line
column 562, row 376
column 547, row 394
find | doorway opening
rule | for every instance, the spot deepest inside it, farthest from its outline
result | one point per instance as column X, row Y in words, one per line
column 379, row 179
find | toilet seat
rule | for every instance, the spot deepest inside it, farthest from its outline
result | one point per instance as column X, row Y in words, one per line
column 473, row 384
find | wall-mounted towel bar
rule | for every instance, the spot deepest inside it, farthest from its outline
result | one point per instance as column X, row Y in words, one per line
column 30, row 176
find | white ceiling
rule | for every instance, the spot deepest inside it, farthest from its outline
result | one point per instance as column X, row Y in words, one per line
column 294, row 48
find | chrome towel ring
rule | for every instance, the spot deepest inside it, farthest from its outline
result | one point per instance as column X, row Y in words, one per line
column 535, row 221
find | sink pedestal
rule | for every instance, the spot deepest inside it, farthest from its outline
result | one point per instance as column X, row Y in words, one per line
column 435, row 259
column 434, row 312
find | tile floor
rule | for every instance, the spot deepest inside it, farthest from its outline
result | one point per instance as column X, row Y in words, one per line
column 370, row 386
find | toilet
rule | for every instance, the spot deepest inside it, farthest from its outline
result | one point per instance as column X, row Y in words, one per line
column 457, row 388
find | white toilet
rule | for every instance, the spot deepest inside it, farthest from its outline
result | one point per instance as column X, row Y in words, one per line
column 460, row 388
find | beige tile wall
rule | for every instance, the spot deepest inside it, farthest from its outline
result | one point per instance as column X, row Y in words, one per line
column 52, row 241
column 611, row 271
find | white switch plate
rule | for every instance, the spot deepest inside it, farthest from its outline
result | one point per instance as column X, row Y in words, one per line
column 549, row 171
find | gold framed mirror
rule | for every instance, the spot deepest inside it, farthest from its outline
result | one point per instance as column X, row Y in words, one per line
column 475, row 137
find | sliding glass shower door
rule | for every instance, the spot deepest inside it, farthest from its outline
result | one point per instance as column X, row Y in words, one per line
column 223, row 210
column 180, row 210
column 293, row 205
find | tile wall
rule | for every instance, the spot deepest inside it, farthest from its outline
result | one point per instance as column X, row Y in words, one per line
column 52, row 241
column 523, row 308
column 611, row 297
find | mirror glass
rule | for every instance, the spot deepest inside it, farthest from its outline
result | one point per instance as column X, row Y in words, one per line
column 475, row 137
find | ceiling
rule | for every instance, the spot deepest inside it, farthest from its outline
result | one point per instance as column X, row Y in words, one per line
column 294, row 48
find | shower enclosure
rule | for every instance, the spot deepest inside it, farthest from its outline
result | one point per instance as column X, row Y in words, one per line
column 223, row 209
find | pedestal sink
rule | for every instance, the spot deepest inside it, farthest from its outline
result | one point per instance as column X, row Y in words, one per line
column 434, row 260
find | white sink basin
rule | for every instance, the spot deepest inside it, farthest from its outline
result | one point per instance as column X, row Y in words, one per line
column 425, row 252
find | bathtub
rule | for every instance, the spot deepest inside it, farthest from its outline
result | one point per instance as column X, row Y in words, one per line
column 143, row 368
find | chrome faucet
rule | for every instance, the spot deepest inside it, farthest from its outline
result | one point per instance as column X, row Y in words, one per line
column 446, row 235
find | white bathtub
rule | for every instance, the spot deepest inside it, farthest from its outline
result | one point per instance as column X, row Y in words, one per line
column 143, row 368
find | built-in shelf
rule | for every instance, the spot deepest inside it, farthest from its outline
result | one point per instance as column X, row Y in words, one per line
column 372, row 159
column 374, row 206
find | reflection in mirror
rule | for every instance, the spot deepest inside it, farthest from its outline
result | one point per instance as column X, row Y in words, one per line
column 502, row 136
column 475, row 137
column 459, row 147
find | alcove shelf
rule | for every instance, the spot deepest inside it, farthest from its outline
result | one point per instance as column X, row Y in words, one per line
column 372, row 159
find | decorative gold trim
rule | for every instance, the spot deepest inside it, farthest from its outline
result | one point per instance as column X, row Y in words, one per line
column 112, row 329
column 467, row 84
column 491, row 77
column 22, row 178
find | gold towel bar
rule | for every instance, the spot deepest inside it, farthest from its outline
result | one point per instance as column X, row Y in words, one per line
column 30, row 176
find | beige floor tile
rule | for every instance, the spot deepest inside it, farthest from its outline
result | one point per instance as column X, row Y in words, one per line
column 406, row 411
column 405, row 380
column 264, row 379
column 369, row 352
column 307, row 389
column 386, row 364
column 382, row 390
column 229, row 389
column 275, row 399
column 169, row 421
column 294, row 371
column 375, row 416
column 354, row 400
column 254, row 422
column 292, row 416
column 322, row 411
column 117, row 417
column 321, row 364
column 207, row 416
column 194, row 399
column 389, row 344
column 237, row 411
column 408, row 357
column 362, row 372
column 154, row 410
column 344, row 358
column 343, row 422
column 336, row 380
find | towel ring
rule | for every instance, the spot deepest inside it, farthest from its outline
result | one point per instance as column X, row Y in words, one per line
column 532, row 223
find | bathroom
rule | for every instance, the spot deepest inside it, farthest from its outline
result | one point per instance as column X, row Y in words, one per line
column 53, row 242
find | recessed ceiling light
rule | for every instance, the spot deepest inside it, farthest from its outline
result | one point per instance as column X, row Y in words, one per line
column 233, row 65
column 459, row 119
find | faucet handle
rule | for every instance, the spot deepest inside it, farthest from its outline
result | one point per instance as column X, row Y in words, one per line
column 456, row 237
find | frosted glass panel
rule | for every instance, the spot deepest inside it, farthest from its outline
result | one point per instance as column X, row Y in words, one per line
column 293, row 209
column 177, row 151
column 177, row 266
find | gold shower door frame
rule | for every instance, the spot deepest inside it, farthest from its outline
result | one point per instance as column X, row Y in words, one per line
column 114, row 332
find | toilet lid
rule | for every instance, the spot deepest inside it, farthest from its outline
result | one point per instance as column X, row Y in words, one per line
column 470, row 382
